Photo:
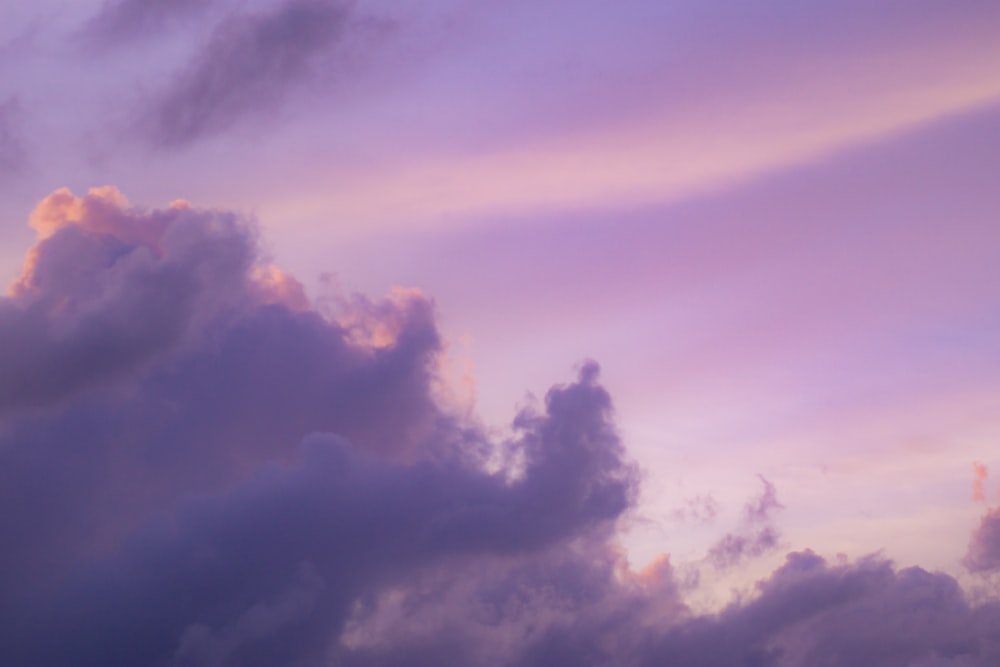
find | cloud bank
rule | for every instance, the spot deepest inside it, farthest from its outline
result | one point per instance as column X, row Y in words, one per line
column 200, row 468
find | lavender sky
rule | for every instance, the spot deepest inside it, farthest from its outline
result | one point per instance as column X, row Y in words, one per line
column 385, row 332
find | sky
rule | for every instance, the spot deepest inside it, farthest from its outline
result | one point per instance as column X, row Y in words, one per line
column 377, row 332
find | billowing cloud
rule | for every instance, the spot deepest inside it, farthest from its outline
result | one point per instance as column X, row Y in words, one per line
column 245, row 67
column 155, row 392
column 199, row 468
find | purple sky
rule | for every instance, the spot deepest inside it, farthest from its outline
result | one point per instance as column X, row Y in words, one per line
column 306, row 300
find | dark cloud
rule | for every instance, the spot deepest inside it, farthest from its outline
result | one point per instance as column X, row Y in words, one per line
column 197, row 468
column 155, row 392
column 246, row 67
column 272, row 567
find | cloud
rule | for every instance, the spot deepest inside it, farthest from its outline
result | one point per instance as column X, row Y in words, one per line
column 155, row 396
column 809, row 612
column 581, row 610
column 247, row 65
column 698, row 509
column 226, row 574
column 984, row 547
column 107, row 288
column 199, row 468
column 755, row 536
column 761, row 508
column 125, row 21
column 979, row 475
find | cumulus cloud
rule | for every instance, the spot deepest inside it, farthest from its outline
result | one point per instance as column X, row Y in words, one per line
column 107, row 288
column 246, row 66
column 198, row 468
column 155, row 393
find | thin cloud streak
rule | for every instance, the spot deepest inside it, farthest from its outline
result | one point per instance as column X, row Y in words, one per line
column 661, row 160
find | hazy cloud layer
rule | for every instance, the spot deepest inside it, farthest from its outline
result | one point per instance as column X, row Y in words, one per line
column 13, row 154
column 198, row 468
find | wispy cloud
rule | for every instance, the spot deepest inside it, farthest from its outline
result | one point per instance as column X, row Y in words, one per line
column 756, row 534
column 123, row 22
column 247, row 66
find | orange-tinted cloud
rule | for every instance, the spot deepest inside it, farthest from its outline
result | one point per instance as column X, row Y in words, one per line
column 979, row 474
